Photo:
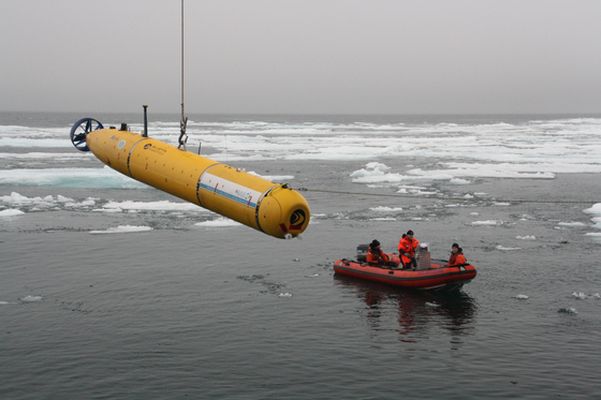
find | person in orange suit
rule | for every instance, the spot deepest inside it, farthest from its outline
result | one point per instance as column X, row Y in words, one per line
column 375, row 255
column 457, row 258
column 407, row 246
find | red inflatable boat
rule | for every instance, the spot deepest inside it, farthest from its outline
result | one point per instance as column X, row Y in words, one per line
column 438, row 276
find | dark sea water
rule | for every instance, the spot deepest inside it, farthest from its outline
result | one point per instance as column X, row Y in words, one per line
column 217, row 311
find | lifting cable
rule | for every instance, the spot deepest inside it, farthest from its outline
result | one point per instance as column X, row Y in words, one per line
column 183, row 138
column 401, row 195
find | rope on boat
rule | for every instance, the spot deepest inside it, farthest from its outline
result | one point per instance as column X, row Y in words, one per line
column 401, row 195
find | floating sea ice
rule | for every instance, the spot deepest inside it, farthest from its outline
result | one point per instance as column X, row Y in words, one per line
column 124, row 229
column 89, row 202
column 18, row 199
column 593, row 234
column 63, row 199
column 579, row 295
column 567, row 310
column 459, row 181
column 11, row 212
column 383, row 219
column 163, row 205
column 468, row 196
column 521, row 297
column 526, row 237
column 595, row 209
column 501, row 203
column 431, row 304
column 68, row 177
column 218, row 223
column 31, row 299
column 286, row 294
column 274, row 178
column 571, row 224
column 47, row 202
column 3, row 303
column 475, row 214
column 385, row 209
column 597, row 296
column 503, row 248
column 374, row 172
column 488, row 222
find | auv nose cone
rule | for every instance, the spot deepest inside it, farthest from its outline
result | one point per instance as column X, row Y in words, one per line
column 284, row 212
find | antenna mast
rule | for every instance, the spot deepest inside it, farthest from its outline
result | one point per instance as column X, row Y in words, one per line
column 183, row 138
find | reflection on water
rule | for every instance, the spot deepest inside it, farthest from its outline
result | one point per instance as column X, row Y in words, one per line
column 417, row 312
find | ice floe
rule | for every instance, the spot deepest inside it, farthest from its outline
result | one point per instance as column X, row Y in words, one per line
column 504, row 248
column 384, row 209
column 567, row 310
column 11, row 212
column 68, row 177
column 584, row 296
column 571, row 224
column 218, row 223
column 38, row 203
column 73, row 155
column 526, row 237
column 161, row 205
column 416, row 190
column 595, row 210
column 459, row 181
column 123, row 229
column 488, row 222
column 521, row 297
column 31, row 299
column 274, row 178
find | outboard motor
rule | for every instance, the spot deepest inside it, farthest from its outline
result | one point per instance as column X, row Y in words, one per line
column 424, row 261
column 362, row 252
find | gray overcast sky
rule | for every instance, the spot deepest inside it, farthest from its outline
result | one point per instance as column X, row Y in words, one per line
column 308, row 56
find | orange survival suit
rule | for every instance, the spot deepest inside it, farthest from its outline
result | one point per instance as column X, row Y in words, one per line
column 457, row 259
column 376, row 256
column 407, row 247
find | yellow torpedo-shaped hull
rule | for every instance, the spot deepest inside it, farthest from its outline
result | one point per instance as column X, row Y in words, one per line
column 251, row 200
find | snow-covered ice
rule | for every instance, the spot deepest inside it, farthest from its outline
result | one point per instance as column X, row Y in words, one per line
column 218, row 223
column 123, row 229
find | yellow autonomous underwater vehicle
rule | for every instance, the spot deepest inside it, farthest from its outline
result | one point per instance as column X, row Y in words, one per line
column 272, row 208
